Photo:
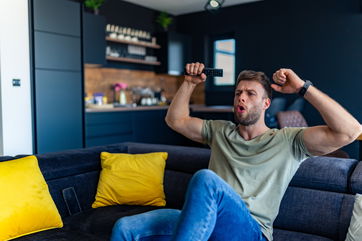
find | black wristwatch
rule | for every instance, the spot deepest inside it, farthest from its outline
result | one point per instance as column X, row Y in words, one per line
column 305, row 87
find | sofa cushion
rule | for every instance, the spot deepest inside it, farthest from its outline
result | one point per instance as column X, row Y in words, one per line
column 132, row 179
column 180, row 158
column 356, row 179
column 67, row 163
column 100, row 221
column 25, row 202
column 284, row 235
column 310, row 211
column 324, row 173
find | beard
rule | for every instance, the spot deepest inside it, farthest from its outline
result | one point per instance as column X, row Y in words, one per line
column 250, row 119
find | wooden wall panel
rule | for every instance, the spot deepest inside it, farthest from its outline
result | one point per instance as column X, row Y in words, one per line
column 102, row 80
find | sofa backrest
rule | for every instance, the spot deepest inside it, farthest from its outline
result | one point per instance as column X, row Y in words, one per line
column 72, row 176
column 318, row 200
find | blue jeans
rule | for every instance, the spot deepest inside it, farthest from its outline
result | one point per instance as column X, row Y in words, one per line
column 212, row 211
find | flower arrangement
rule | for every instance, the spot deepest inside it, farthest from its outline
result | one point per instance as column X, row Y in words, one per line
column 120, row 86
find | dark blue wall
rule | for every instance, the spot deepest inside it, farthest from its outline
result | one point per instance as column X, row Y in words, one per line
column 321, row 40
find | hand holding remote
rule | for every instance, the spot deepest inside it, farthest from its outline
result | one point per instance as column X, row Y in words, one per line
column 210, row 72
column 194, row 74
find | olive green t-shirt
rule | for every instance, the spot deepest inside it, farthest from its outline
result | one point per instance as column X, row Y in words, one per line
column 260, row 169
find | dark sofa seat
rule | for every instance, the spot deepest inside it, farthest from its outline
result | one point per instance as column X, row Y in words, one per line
column 296, row 236
column 64, row 234
column 99, row 221
column 316, row 207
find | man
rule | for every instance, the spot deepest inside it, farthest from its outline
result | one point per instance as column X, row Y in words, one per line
column 251, row 165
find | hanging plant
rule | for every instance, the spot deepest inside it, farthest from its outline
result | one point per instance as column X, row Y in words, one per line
column 94, row 4
column 164, row 20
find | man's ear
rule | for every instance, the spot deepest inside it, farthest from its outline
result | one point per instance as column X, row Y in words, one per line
column 267, row 102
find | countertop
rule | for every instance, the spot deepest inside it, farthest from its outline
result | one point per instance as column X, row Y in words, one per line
column 116, row 109
column 195, row 108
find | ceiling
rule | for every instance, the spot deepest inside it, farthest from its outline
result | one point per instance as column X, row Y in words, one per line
column 177, row 7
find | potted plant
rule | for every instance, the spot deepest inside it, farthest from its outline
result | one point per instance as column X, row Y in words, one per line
column 94, row 4
column 164, row 20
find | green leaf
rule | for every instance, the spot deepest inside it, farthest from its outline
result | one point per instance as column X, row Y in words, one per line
column 93, row 4
column 164, row 20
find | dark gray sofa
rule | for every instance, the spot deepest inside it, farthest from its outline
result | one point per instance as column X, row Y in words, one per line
column 317, row 205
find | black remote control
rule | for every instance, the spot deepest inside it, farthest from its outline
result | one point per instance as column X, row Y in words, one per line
column 211, row 72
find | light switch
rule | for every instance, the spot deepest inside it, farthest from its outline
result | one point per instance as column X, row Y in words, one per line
column 16, row 82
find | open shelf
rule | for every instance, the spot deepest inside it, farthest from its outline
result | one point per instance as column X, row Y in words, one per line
column 129, row 60
column 144, row 44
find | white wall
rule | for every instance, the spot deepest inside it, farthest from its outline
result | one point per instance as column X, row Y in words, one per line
column 15, row 102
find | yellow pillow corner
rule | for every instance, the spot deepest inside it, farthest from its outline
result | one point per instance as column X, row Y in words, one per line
column 26, row 205
column 131, row 179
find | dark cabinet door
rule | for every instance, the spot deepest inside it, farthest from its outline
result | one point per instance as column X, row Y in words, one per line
column 53, row 51
column 60, row 16
column 94, row 39
column 58, row 115
column 147, row 126
column 150, row 127
column 104, row 128
column 58, row 79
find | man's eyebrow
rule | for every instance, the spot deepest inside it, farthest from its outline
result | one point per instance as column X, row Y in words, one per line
column 250, row 90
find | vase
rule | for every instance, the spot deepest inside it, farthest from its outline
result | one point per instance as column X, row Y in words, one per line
column 122, row 97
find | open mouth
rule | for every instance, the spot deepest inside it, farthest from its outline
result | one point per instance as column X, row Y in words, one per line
column 241, row 109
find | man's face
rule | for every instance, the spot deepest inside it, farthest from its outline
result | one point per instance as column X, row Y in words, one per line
column 250, row 102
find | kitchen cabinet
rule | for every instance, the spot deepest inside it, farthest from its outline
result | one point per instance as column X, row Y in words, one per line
column 58, row 110
column 94, row 43
column 58, row 17
column 58, row 78
column 146, row 126
column 175, row 53
column 57, row 52
column 108, row 127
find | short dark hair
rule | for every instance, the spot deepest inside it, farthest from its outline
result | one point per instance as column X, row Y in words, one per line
column 260, row 77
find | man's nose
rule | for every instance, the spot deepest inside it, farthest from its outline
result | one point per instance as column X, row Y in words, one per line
column 242, row 97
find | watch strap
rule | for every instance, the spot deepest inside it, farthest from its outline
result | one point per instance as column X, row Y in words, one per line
column 305, row 87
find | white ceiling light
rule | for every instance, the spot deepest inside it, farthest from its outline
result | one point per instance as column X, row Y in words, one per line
column 213, row 5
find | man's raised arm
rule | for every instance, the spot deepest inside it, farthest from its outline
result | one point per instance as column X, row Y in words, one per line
column 341, row 129
column 178, row 114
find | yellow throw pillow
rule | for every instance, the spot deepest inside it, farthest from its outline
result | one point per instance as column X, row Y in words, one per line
column 133, row 179
column 25, row 203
